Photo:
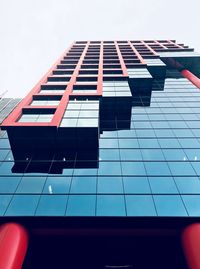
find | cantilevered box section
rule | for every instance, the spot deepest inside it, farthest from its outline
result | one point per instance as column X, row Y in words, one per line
column 91, row 88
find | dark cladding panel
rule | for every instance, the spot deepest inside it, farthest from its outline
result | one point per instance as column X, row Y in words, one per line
column 115, row 105
column 156, row 68
column 79, row 127
column 116, row 96
column 140, row 81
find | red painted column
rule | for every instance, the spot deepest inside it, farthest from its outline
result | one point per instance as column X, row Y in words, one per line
column 13, row 245
column 121, row 60
column 100, row 71
column 65, row 98
column 191, row 245
column 12, row 117
column 191, row 77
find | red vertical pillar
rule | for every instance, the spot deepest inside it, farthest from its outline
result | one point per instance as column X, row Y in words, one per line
column 13, row 246
column 191, row 77
column 191, row 245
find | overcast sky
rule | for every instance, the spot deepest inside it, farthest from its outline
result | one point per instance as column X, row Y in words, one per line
column 34, row 33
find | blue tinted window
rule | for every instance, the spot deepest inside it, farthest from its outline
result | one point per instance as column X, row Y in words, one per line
column 3, row 154
column 126, row 133
column 85, row 172
column 128, row 143
column 177, row 124
column 110, row 185
column 83, row 185
column 156, row 117
column 188, row 184
column 181, row 168
column 169, row 205
column 173, row 117
column 9, row 157
column 4, row 144
column 157, row 168
column 174, row 154
column 193, row 124
column 57, row 185
column 189, row 143
column 152, row 154
column 183, row 133
column 81, row 205
column 109, row 168
column 148, row 143
column 109, row 154
column 189, row 117
column 31, row 185
column 4, row 202
column 160, row 124
column 23, row 205
column 52, row 205
column 137, row 117
column 140, row 205
column 110, row 205
column 193, row 154
column 130, row 154
column 196, row 167
column 9, row 184
column 133, row 168
column 196, row 132
column 162, row 185
column 164, row 133
column 169, row 143
column 136, row 185
column 108, row 143
column 192, row 204
column 6, row 168
column 3, row 134
column 145, row 133
column 142, row 125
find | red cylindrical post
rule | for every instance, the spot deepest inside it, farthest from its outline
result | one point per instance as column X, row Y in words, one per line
column 13, row 245
column 191, row 77
column 191, row 245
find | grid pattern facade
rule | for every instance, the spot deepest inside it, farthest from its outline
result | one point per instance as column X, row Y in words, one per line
column 6, row 107
column 125, row 136
column 151, row 169
column 81, row 71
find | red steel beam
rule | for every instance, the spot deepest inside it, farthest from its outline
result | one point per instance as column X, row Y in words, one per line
column 65, row 98
column 121, row 60
column 100, row 71
column 191, row 245
column 191, row 77
column 13, row 246
column 11, row 119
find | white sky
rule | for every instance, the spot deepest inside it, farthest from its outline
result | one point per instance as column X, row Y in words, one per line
column 34, row 33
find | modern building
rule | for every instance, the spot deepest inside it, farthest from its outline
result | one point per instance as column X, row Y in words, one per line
column 100, row 162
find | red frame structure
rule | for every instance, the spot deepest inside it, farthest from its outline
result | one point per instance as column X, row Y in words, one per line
column 85, row 64
column 95, row 52
column 191, row 77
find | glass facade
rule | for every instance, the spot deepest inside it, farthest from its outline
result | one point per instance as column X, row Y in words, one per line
column 100, row 160
column 149, row 169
